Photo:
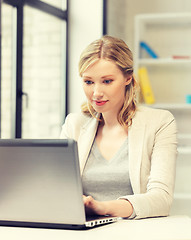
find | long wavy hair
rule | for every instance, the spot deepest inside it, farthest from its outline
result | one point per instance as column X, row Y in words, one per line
column 116, row 50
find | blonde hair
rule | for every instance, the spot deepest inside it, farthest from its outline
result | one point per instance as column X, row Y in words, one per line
column 116, row 50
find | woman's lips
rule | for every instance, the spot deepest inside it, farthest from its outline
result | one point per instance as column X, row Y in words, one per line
column 99, row 103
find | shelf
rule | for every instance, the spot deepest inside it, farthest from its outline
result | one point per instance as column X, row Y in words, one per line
column 171, row 106
column 184, row 150
column 182, row 196
column 184, row 141
column 163, row 61
column 184, row 136
column 164, row 18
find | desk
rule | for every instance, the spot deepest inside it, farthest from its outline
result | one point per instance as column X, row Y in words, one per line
column 165, row 228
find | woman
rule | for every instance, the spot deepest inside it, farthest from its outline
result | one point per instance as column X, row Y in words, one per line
column 127, row 152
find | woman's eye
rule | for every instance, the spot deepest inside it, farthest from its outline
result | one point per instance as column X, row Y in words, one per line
column 108, row 81
column 88, row 82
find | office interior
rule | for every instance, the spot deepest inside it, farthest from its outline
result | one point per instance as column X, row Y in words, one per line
column 40, row 46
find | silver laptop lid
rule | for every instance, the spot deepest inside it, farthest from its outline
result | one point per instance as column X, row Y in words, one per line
column 40, row 182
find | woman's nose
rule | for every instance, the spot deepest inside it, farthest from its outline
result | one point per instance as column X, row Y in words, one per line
column 97, row 92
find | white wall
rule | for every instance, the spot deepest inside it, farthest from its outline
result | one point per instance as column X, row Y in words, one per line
column 85, row 17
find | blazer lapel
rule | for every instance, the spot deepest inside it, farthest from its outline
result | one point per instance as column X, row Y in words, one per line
column 85, row 141
column 136, row 140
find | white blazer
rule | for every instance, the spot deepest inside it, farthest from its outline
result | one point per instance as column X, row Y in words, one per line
column 152, row 156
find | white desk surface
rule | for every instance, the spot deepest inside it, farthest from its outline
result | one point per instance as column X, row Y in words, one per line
column 165, row 228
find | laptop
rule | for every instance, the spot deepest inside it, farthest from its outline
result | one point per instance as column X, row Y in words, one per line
column 40, row 185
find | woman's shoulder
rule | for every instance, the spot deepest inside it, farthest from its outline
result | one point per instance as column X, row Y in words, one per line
column 151, row 114
column 154, row 119
column 73, row 125
column 78, row 118
column 149, row 110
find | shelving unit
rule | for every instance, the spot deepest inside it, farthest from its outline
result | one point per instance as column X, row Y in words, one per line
column 169, row 36
column 163, row 61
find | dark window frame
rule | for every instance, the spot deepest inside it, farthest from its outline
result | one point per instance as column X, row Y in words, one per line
column 105, row 17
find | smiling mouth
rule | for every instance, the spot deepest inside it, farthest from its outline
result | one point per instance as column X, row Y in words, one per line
column 100, row 103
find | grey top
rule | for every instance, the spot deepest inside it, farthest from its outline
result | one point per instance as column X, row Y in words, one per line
column 107, row 179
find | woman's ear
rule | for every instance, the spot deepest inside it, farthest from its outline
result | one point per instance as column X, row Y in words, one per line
column 128, row 80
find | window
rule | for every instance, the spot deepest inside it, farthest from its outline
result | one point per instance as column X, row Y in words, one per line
column 34, row 68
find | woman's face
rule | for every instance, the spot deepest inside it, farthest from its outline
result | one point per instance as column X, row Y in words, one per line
column 104, row 85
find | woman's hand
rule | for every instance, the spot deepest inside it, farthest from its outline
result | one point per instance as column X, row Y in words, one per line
column 94, row 207
column 118, row 208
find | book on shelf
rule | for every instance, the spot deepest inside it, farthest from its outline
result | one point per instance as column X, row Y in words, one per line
column 145, row 86
column 148, row 49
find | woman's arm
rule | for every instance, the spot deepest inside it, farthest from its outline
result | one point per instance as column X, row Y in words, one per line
column 118, row 208
column 157, row 179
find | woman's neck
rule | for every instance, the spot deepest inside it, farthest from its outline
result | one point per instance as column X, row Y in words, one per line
column 110, row 128
column 109, row 120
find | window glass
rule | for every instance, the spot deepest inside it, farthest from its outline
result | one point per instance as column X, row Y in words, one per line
column 43, row 74
column 6, row 69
